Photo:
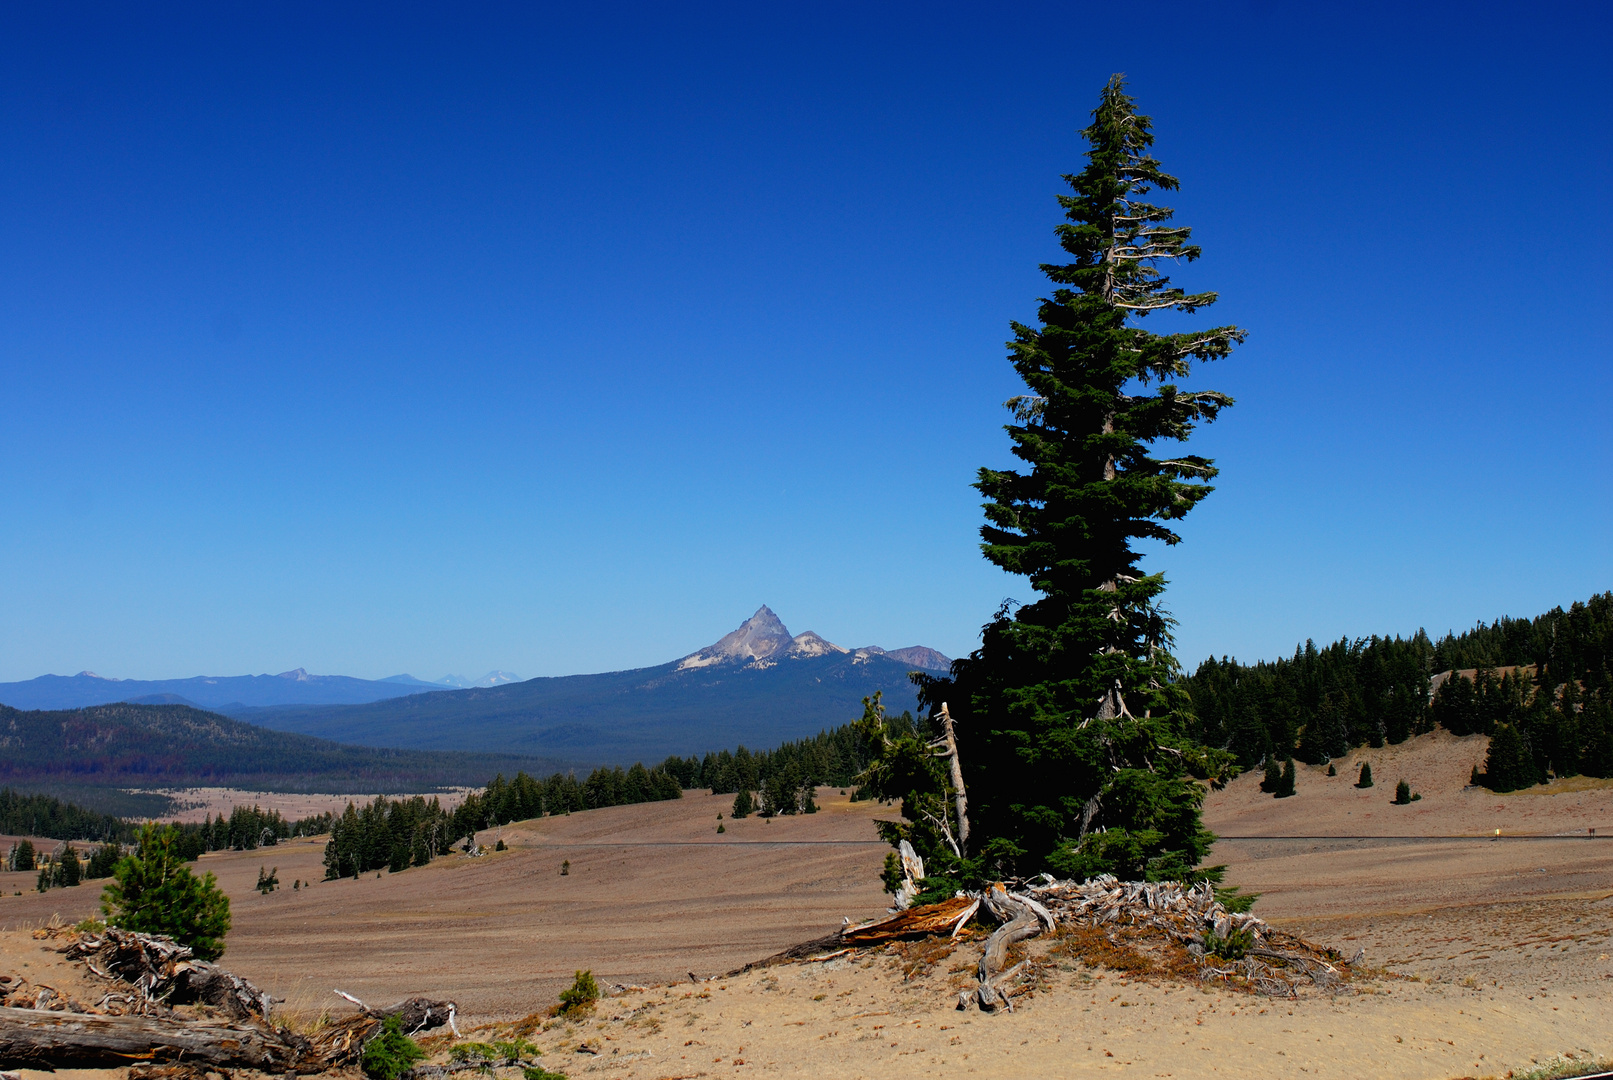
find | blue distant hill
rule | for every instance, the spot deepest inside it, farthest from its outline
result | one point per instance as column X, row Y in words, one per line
column 758, row 686
column 225, row 692
column 205, row 691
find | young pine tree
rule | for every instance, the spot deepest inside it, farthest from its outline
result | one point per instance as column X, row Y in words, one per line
column 1510, row 764
column 154, row 892
column 1365, row 779
column 71, row 871
column 1285, row 783
column 1274, row 776
column 744, row 806
column 1073, row 742
column 1402, row 793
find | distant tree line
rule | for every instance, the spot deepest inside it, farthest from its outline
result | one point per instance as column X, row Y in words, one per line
column 1538, row 727
column 835, row 757
column 63, row 868
column 1551, row 714
column 246, row 829
column 42, row 815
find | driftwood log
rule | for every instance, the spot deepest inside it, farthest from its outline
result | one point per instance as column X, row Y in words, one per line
column 161, row 971
column 342, row 1043
column 1021, row 918
column 37, row 1039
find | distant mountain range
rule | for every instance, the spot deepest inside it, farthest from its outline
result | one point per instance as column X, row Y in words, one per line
column 758, row 685
column 235, row 691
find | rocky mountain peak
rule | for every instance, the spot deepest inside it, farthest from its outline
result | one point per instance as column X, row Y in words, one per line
column 757, row 638
column 762, row 641
column 810, row 644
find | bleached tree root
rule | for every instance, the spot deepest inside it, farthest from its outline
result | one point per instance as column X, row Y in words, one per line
column 1022, row 918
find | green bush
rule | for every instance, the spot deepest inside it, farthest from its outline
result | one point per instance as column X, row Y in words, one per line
column 892, row 875
column 1366, row 775
column 580, row 995
column 154, row 892
column 1402, row 793
column 486, row 1056
column 1232, row 947
column 392, row 1053
column 538, row 1072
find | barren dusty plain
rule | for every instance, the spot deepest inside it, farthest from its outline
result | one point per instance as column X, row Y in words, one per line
column 1493, row 954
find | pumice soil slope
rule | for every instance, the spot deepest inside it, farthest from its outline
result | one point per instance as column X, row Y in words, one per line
column 1493, row 956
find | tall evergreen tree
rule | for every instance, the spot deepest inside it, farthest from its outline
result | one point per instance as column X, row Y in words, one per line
column 1070, row 727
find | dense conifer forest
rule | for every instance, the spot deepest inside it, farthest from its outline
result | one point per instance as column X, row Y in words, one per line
column 1541, row 686
column 42, row 815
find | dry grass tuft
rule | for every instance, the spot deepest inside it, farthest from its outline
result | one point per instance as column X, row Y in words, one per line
column 304, row 1012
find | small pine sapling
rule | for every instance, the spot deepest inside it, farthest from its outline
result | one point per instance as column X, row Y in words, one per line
column 580, row 995
column 1234, row 946
column 565, row 867
column 1402, row 793
column 391, row 1054
column 1285, row 783
column 721, row 828
column 743, row 805
column 1332, row 770
column 501, row 845
column 268, row 882
column 1366, row 775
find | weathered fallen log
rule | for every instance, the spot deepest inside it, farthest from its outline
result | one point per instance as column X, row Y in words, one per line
column 162, row 970
column 342, row 1042
column 34, row 1039
column 945, row 917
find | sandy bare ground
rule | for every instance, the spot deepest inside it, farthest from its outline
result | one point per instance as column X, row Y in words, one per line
column 653, row 893
column 1437, row 766
column 1494, row 953
column 198, row 803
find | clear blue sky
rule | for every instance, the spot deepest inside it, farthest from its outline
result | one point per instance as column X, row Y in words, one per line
column 429, row 340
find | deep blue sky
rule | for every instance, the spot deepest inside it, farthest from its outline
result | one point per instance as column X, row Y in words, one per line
column 428, row 340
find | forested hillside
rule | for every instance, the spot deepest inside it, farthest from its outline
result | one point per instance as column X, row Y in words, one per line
column 1323, row 701
column 110, row 746
column 621, row 716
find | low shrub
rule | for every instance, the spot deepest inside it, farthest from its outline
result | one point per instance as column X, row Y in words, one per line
column 580, row 995
column 1232, row 947
column 391, row 1054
